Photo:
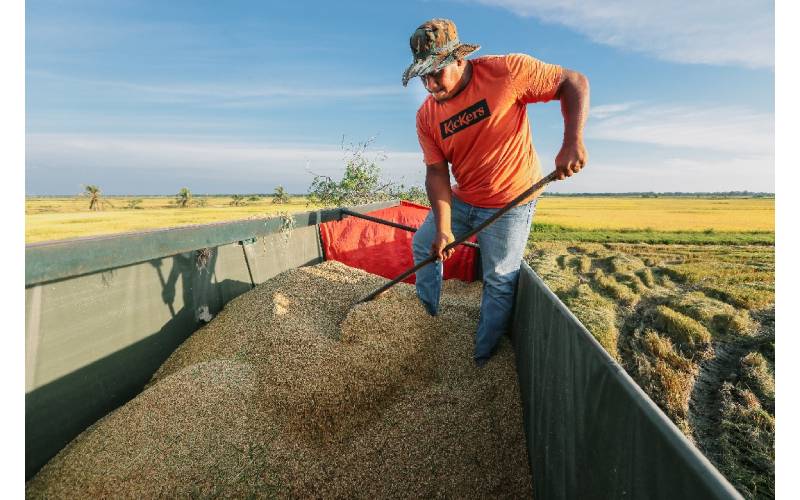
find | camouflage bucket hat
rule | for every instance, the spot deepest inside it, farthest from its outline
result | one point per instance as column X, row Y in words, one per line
column 434, row 45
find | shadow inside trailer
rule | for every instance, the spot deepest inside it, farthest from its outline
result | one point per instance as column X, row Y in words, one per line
column 56, row 412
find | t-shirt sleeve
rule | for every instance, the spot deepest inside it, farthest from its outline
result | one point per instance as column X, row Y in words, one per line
column 430, row 150
column 533, row 80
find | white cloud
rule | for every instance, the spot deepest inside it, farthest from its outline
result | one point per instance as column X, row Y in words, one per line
column 719, row 32
column 222, row 94
column 638, row 146
column 606, row 110
column 732, row 130
column 687, row 174
column 288, row 164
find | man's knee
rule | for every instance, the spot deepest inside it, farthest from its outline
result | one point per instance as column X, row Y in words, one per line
column 500, row 284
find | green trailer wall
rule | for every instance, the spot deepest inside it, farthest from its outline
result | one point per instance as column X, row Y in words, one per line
column 102, row 314
column 591, row 431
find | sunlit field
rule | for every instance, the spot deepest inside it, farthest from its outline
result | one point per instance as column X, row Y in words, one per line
column 62, row 218
column 680, row 291
column 655, row 220
column 660, row 214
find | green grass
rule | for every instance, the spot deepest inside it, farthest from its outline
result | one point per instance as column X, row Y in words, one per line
column 554, row 232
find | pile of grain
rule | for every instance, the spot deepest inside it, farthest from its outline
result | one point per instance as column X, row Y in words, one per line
column 291, row 392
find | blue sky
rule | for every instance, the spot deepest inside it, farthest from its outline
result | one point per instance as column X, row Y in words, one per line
column 147, row 97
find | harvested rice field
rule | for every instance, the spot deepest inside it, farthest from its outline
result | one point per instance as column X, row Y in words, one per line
column 694, row 326
column 289, row 392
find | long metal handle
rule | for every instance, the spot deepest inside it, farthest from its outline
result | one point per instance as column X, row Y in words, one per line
column 513, row 203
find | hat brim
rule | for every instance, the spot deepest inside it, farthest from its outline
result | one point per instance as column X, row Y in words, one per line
column 433, row 64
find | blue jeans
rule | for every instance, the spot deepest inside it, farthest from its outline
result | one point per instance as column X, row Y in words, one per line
column 502, row 247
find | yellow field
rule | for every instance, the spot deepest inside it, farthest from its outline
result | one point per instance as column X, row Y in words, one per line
column 659, row 214
column 60, row 218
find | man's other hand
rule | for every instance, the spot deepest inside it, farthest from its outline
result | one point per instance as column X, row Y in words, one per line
column 571, row 159
column 441, row 240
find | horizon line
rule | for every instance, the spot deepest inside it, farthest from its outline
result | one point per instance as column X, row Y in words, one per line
column 546, row 193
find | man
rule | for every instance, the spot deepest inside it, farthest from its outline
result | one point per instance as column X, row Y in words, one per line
column 475, row 120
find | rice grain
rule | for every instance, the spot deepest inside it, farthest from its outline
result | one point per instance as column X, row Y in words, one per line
column 291, row 392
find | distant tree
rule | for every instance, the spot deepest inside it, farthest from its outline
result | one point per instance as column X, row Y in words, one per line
column 360, row 184
column 280, row 196
column 184, row 198
column 95, row 201
column 253, row 198
column 238, row 200
column 415, row 194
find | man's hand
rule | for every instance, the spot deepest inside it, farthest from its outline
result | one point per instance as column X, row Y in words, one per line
column 441, row 240
column 571, row 159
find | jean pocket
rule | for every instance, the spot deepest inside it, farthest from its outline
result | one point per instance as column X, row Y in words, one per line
column 532, row 210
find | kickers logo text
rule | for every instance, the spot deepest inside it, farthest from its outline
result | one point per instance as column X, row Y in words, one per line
column 463, row 119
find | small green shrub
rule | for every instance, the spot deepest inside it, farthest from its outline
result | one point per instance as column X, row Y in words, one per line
column 238, row 200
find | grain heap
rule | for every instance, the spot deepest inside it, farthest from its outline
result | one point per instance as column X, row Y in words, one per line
column 290, row 392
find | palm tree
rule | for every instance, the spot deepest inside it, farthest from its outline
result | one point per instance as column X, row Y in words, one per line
column 280, row 196
column 93, row 192
column 183, row 198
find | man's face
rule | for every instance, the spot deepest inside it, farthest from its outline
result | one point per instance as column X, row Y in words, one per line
column 442, row 84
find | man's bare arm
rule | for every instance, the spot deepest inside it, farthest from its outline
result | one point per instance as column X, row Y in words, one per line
column 573, row 92
column 437, row 184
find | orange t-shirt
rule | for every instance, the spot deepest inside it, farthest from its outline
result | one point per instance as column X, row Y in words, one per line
column 483, row 131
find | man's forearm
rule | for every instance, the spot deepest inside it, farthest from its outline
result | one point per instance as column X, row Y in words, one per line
column 437, row 185
column 574, row 96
